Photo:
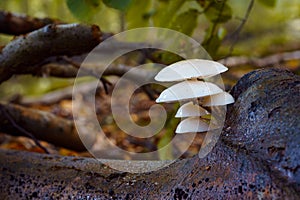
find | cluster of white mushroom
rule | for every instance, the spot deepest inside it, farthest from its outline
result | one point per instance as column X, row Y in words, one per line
column 194, row 91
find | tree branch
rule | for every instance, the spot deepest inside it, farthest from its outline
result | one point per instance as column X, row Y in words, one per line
column 16, row 24
column 22, row 130
column 267, row 61
column 24, row 53
column 235, row 34
column 43, row 126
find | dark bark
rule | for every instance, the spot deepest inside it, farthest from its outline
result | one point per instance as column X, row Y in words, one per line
column 256, row 157
column 16, row 24
column 25, row 53
column 265, row 121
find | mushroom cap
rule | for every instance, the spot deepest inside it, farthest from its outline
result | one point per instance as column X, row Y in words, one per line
column 191, row 125
column 188, row 90
column 219, row 99
column 188, row 69
column 191, row 110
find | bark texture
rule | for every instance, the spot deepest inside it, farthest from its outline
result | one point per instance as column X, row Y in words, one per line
column 257, row 157
column 16, row 24
column 26, row 52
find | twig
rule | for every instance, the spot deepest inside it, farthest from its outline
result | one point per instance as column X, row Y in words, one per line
column 140, row 76
column 236, row 33
column 12, row 121
column 104, row 81
column 215, row 24
column 150, row 92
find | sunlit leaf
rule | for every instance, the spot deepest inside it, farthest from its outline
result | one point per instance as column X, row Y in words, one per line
column 165, row 153
column 118, row 4
column 83, row 9
column 268, row 3
column 185, row 22
column 222, row 32
column 218, row 12
column 212, row 41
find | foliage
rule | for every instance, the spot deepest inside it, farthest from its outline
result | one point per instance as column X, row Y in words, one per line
column 83, row 9
column 117, row 4
column 210, row 21
column 268, row 3
column 179, row 15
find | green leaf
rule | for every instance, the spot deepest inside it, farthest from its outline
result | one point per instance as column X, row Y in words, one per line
column 268, row 3
column 165, row 12
column 166, row 152
column 222, row 32
column 185, row 22
column 212, row 40
column 218, row 12
column 83, row 9
column 121, row 5
column 138, row 14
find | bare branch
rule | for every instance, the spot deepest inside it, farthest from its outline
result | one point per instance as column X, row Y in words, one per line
column 25, row 52
column 267, row 61
column 11, row 120
column 42, row 125
column 16, row 24
column 235, row 34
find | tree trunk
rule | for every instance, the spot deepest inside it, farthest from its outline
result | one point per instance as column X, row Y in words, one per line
column 257, row 157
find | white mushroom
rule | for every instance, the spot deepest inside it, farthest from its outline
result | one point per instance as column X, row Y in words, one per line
column 192, row 124
column 219, row 99
column 189, row 69
column 191, row 110
column 188, row 90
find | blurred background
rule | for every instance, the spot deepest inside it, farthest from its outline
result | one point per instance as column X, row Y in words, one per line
column 244, row 35
column 252, row 29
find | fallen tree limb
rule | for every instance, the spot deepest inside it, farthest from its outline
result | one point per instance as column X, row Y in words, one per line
column 24, row 53
column 16, row 24
column 43, row 126
column 241, row 166
column 68, row 71
column 268, row 61
column 268, row 126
